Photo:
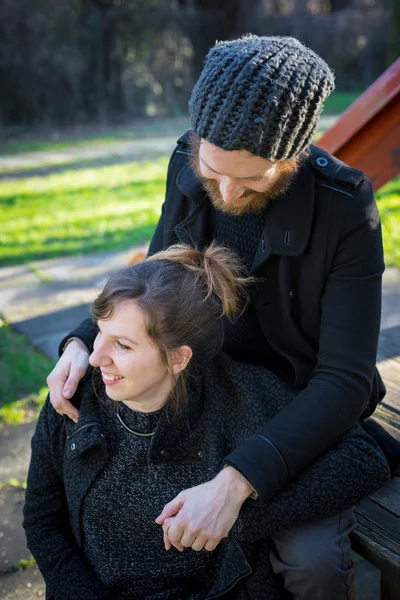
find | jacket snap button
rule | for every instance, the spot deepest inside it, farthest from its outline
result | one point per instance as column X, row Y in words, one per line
column 163, row 453
column 200, row 453
column 322, row 161
column 73, row 446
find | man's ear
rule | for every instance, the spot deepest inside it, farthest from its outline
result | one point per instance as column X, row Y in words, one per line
column 181, row 358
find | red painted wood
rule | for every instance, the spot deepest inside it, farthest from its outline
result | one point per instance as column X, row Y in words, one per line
column 367, row 135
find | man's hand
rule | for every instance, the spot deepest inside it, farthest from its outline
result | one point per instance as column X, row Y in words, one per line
column 202, row 516
column 64, row 378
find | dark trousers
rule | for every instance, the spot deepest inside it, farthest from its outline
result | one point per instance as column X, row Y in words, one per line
column 314, row 558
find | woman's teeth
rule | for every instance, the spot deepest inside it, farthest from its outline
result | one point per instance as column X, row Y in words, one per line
column 111, row 377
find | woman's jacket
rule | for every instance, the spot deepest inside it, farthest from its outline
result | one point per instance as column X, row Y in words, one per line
column 227, row 403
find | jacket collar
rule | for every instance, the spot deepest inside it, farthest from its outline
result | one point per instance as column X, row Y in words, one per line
column 178, row 437
column 288, row 220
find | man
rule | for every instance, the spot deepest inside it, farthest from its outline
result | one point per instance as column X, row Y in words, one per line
column 307, row 227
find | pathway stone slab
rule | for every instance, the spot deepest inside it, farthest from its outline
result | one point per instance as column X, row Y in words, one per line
column 15, row 451
column 22, row 585
column 12, row 536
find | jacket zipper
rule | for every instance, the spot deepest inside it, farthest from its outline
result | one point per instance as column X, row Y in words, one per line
column 80, row 429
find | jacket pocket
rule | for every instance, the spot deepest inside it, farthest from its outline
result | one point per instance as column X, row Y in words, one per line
column 82, row 440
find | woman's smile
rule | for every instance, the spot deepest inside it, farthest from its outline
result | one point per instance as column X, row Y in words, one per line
column 110, row 379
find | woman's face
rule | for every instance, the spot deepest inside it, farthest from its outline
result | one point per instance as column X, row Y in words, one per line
column 129, row 361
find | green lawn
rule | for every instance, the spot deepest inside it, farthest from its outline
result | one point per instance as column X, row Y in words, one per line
column 76, row 212
column 388, row 199
column 111, row 208
column 339, row 102
column 22, row 377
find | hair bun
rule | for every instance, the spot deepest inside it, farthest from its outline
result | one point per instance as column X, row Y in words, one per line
column 221, row 270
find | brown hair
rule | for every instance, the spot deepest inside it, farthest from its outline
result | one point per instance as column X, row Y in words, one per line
column 184, row 293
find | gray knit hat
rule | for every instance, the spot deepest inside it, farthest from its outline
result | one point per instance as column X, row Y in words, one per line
column 260, row 94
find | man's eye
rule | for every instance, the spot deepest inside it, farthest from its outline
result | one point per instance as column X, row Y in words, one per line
column 122, row 346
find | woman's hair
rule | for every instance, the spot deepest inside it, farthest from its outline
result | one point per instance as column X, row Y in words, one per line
column 184, row 293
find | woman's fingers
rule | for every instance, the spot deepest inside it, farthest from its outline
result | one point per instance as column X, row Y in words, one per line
column 166, row 526
column 167, row 543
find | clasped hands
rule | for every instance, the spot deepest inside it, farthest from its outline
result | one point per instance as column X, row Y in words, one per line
column 200, row 517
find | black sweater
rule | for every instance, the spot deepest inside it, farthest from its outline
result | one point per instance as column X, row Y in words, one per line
column 121, row 539
column 227, row 402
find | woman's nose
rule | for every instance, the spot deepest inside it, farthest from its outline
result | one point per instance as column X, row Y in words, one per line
column 99, row 356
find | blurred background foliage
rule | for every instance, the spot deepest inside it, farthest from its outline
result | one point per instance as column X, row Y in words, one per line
column 78, row 61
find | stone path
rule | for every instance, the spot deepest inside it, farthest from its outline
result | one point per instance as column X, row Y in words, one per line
column 45, row 304
column 114, row 149
column 46, row 162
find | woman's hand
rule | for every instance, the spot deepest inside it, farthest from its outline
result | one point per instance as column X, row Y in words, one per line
column 64, row 378
column 202, row 516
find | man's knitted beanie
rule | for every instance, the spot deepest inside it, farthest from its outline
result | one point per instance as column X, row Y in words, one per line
column 260, row 94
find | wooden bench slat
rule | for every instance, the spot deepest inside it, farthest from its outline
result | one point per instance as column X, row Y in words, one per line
column 388, row 497
column 380, row 526
column 377, row 555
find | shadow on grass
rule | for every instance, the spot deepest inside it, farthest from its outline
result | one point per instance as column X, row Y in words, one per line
column 58, row 247
column 138, row 189
column 108, row 161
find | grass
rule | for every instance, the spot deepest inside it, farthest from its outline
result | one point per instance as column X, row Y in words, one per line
column 77, row 212
column 26, row 563
column 338, row 102
column 388, row 199
column 22, row 378
column 115, row 207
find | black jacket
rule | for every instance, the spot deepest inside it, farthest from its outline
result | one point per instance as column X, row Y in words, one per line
column 320, row 263
column 227, row 402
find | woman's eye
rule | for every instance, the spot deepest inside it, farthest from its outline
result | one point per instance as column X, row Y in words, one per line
column 122, row 346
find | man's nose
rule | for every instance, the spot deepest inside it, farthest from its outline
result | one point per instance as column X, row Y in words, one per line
column 230, row 190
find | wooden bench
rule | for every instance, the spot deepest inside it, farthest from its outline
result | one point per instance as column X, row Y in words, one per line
column 377, row 537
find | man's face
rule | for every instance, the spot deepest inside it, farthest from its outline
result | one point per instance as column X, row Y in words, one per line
column 237, row 181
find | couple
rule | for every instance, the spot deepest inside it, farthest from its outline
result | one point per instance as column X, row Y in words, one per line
column 161, row 409
column 307, row 227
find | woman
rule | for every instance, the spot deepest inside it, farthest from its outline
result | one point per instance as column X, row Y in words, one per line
column 159, row 411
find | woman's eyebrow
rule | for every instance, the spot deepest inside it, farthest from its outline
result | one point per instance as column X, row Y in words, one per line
column 259, row 176
column 124, row 337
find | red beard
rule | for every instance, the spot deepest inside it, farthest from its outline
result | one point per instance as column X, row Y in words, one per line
column 251, row 201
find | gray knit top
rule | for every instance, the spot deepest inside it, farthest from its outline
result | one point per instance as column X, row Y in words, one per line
column 122, row 542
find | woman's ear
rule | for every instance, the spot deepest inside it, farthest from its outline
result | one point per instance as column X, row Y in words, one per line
column 181, row 358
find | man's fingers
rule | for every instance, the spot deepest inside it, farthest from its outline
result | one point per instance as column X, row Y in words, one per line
column 170, row 509
column 70, row 387
column 198, row 544
column 64, row 407
column 188, row 539
column 63, row 380
column 211, row 545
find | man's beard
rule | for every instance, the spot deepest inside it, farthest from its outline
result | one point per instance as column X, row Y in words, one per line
column 251, row 201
